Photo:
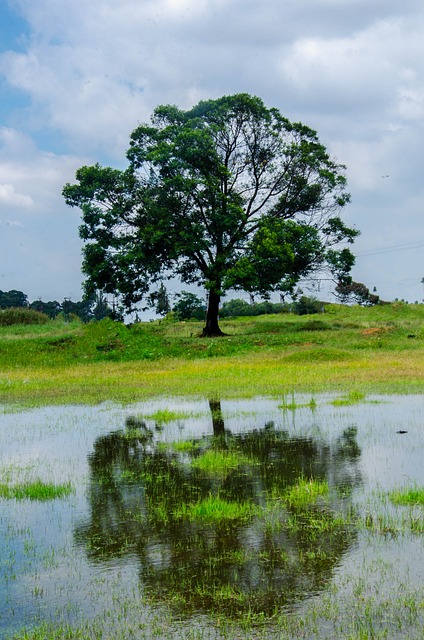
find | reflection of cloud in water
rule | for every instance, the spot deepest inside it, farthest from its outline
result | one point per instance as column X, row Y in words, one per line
column 139, row 488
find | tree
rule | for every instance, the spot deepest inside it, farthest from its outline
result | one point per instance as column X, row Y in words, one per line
column 52, row 308
column 90, row 307
column 160, row 300
column 101, row 308
column 229, row 194
column 349, row 290
column 189, row 306
column 13, row 298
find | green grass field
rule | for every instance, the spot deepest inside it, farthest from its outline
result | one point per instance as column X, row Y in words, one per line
column 346, row 349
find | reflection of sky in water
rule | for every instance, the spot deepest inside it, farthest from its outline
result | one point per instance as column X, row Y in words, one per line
column 43, row 574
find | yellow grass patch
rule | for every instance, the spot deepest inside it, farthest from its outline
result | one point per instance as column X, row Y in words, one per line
column 375, row 331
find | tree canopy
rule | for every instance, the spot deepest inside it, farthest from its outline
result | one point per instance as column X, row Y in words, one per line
column 227, row 195
column 13, row 298
column 188, row 306
column 351, row 291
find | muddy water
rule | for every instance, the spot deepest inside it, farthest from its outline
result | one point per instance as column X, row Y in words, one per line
column 129, row 534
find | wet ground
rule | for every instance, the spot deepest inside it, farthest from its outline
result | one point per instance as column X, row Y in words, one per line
column 216, row 509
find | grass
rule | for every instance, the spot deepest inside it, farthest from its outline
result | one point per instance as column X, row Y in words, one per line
column 393, row 525
column 163, row 416
column 353, row 397
column 184, row 446
column 374, row 350
column 292, row 405
column 36, row 490
column 408, row 497
column 309, row 512
column 304, row 493
column 215, row 509
column 216, row 462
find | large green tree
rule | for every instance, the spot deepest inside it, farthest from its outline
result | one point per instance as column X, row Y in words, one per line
column 229, row 194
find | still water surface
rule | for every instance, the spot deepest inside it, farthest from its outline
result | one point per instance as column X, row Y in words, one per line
column 129, row 532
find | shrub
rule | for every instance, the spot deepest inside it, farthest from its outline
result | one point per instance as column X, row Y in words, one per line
column 306, row 305
column 238, row 307
column 18, row 315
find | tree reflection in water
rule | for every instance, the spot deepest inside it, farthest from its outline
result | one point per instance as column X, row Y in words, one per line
column 278, row 550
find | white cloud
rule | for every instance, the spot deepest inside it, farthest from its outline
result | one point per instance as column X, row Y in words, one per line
column 93, row 71
column 364, row 73
column 31, row 178
column 10, row 197
column 352, row 69
column 39, row 248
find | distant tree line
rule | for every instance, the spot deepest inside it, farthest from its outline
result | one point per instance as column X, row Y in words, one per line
column 301, row 306
column 189, row 306
column 94, row 307
column 239, row 307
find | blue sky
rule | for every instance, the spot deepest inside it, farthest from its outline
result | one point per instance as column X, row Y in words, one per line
column 76, row 78
column 13, row 28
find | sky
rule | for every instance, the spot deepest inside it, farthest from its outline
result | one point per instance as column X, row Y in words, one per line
column 77, row 77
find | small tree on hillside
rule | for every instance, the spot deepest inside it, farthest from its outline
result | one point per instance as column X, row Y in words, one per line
column 351, row 291
column 189, row 306
column 160, row 299
column 99, row 307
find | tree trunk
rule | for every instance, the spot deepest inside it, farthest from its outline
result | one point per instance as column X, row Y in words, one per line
column 211, row 329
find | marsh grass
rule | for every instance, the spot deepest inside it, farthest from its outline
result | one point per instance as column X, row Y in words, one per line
column 215, row 461
column 408, row 497
column 292, row 405
column 304, row 509
column 35, row 490
column 215, row 509
column 406, row 519
column 353, row 397
column 394, row 525
column 164, row 416
column 305, row 493
column 184, row 446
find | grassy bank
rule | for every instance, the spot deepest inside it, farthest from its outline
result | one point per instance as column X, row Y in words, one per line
column 369, row 350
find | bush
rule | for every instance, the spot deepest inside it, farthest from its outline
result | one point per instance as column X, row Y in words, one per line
column 235, row 308
column 238, row 307
column 306, row 305
column 19, row 315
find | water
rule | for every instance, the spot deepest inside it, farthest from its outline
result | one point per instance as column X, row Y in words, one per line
column 122, row 541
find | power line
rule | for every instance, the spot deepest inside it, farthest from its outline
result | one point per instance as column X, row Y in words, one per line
column 398, row 247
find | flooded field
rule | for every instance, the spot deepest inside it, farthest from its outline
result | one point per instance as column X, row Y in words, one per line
column 298, row 518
